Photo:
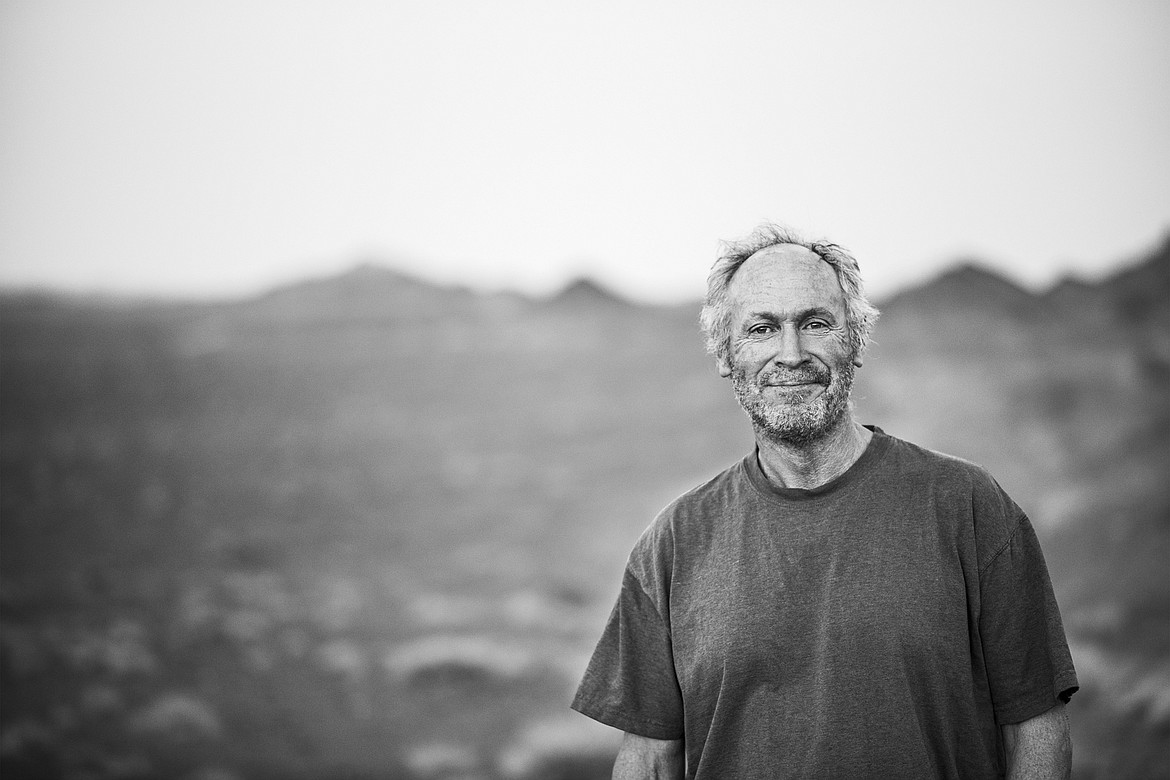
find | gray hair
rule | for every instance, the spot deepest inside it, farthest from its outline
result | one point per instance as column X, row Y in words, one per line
column 715, row 318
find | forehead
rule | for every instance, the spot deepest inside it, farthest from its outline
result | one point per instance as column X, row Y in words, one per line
column 785, row 278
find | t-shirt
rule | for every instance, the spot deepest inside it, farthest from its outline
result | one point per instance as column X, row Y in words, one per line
column 881, row 625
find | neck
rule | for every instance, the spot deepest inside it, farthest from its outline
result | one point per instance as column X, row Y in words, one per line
column 811, row 464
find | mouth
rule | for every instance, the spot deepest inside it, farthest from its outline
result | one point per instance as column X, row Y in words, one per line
column 795, row 381
column 809, row 378
column 795, row 390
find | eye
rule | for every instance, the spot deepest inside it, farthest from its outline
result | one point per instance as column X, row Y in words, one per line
column 816, row 325
column 762, row 329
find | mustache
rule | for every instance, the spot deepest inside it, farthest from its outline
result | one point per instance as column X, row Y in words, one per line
column 780, row 376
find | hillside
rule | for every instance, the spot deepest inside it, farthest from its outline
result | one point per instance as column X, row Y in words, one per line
column 366, row 526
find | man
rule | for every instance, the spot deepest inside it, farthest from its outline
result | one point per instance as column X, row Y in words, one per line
column 841, row 603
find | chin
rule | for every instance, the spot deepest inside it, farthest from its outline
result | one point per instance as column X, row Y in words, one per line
column 805, row 429
column 800, row 424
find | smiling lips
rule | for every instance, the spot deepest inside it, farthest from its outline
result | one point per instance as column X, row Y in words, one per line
column 799, row 380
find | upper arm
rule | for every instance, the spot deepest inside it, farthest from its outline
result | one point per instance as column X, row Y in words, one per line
column 630, row 682
column 1027, row 660
column 643, row 758
column 1039, row 747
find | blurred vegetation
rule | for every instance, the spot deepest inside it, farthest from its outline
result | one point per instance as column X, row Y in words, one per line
column 370, row 527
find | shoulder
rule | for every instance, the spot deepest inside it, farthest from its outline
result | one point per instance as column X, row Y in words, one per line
column 685, row 519
column 698, row 507
column 944, row 471
column 962, row 489
column 914, row 458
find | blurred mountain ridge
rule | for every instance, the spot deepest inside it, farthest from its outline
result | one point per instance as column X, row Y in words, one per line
column 373, row 288
column 967, row 284
column 366, row 291
column 972, row 284
column 585, row 292
column 376, row 288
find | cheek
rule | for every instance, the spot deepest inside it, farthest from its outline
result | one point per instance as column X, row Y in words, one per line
column 751, row 351
column 833, row 348
column 747, row 365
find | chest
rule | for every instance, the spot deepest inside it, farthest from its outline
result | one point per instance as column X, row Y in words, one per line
column 791, row 599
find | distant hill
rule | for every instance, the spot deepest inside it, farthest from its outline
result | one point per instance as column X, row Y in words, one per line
column 365, row 292
column 971, row 286
column 585, row 292
column 966, row 286
column 370, row 526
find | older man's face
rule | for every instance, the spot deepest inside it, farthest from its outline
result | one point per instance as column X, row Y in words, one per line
column 790, row 362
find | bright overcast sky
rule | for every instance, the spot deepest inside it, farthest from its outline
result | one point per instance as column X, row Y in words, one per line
column 203, row 147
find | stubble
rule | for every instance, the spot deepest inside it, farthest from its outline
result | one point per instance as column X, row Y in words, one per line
column 797, row 421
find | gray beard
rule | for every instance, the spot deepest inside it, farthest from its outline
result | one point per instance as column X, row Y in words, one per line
column 799, row 422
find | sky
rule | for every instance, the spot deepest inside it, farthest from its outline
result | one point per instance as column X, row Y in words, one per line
column 210, row 149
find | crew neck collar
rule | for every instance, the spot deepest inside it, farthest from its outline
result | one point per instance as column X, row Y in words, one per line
column 877, row 446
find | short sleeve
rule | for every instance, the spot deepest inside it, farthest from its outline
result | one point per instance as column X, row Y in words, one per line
column 1029, row 667
column 630, row 682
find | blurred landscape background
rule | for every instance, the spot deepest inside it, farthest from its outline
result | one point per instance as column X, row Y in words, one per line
column 270, row 510
column 369, row 526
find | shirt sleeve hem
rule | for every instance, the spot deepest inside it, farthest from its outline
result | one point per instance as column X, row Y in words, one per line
column 1026, row 708
column 643, row 727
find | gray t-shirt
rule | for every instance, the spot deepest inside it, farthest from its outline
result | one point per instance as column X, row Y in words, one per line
column 882, row 625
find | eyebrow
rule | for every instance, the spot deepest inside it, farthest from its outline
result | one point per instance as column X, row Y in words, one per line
column 815, row 311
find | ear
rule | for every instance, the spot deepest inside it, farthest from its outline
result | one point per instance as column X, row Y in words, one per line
column 724, row 366
column 857, row 361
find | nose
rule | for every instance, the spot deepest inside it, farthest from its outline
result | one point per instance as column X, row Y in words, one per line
column 790, row 353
